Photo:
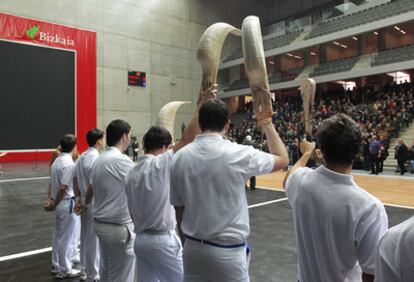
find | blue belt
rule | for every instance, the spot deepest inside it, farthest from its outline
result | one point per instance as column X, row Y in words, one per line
column 215, row 244
column 72, row 200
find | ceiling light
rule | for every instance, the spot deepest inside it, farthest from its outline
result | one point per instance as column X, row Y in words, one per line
column 344, row 46
column 336, row 43
column 271, row 62
column 313, row 54
column 376, row 33
column 396, row 27
column 290, row 55
column 297, row 57
column 403, row 32
column 354, row 38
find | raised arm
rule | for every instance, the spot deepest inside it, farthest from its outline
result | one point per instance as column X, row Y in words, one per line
column 307, row 149
column 276, row 146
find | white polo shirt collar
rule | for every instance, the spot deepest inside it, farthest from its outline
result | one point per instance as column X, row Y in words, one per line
column 66, row 155
column 113, row 148
column 209, row 135
column 339, row 177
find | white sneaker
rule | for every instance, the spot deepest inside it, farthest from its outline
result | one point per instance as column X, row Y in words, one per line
column 82, row 276
column 70, row 274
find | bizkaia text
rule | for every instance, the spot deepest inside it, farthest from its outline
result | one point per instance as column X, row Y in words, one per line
column 54, row 38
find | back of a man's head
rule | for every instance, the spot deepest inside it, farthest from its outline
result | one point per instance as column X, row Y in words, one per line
column 68, row 143
column 339, row 138
column 115, row 130
column 213, row 115
column 93, row 136
column 155, row 138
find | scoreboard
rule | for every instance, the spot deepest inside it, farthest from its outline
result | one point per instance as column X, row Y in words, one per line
column 137, row 78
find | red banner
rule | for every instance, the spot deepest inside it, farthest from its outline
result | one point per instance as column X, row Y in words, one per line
column 84, row 43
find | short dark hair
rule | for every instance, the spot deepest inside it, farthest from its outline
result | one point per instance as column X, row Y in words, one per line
column 93, row 136
column 213, row 115
column 67, row 143
column 155, row 138
column 340, row 139
column 115, row 130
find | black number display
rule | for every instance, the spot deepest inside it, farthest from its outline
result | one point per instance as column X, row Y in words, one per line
column 137, row 78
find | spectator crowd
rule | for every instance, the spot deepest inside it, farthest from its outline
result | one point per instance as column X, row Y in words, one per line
column 381, row 115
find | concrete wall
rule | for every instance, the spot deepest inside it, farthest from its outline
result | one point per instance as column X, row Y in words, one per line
column 159, row 37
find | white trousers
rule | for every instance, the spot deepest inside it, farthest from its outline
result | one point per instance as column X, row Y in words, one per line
column 75, row 246
column 159, row 257
column 64, row 235
column 117, row 252
column 204, row 263
column 89, row 246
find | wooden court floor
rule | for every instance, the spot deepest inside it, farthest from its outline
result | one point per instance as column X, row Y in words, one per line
column 390, row 190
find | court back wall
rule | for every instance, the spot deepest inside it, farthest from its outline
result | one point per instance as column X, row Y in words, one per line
column 37, row 92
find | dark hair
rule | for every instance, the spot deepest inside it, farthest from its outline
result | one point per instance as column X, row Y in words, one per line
column 93, row 136
column 115, row 130
column 213, row 115
column 156, row 137
column 340, row 139
column 67, row 143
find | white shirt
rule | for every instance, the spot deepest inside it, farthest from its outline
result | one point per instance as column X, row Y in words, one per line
column 395, row 260
column 338, row 225
column 61, row 173
column 108, row 183
column 208, row 178
column 83, row 169
column 148, row 193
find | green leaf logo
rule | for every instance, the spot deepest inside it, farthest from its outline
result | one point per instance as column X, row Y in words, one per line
column 32, row 32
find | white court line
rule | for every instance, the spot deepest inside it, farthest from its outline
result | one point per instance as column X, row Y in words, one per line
column 23, row 179
column 35, row 252
column 399, row 177
column 267, row 203
column 385, row 204
column 25, row 254
column 399, row 206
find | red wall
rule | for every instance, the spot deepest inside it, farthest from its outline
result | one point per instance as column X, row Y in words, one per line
column 84, row 43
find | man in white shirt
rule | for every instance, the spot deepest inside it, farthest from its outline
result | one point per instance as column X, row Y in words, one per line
column 395, row 258
column 157, row 246
column 89, row 247
column 338, row 224
column 207, row 190
column 113, row 224
column 61, row 174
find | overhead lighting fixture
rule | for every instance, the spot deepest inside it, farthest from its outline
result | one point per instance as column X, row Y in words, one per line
column 290, row 55
column 344, row 46
column 376, row 33
column 403, row 32
column 271, row 62
column 313, row 54
column 297, row 57
column 396, row 27
column 354, row 38
column 336, row 43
